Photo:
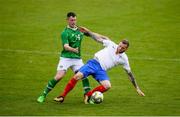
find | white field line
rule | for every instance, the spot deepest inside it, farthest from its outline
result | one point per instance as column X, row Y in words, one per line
column 57, row 53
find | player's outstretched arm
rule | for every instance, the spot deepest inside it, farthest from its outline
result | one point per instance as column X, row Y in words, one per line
column 97, row 37
column 133, row 81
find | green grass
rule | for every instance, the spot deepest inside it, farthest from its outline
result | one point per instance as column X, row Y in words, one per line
column 30, row 43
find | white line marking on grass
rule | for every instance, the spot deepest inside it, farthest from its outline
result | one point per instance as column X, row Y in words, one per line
column 57, row 53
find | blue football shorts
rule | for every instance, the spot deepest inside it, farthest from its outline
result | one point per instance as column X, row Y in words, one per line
column 92, row 67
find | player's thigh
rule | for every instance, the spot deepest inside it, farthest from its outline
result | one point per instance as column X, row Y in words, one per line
column 76, row 64
column 101, row 75
column 86, row 70
column 60, row 74
column 106, row 83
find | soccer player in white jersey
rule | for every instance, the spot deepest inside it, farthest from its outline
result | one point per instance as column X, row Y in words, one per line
column 103, row 60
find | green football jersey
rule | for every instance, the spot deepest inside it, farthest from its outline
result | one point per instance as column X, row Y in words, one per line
column 73, row 37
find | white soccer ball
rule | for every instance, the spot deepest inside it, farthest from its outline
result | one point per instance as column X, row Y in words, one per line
column 97, row 97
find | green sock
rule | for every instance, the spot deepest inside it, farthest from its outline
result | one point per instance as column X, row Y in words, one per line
column 86, row 86
column 50, row 86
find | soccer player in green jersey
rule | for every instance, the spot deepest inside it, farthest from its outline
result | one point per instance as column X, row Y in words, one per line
column 70, row 55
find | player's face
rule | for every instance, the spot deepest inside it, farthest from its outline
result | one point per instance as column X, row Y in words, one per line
column 121, row 48
column 71, row 21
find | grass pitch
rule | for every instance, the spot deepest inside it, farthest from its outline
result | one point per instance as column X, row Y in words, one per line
column 30, row 45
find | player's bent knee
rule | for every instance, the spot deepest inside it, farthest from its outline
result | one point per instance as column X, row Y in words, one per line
column 78, row 76
column 107, row 86
column 59, row 75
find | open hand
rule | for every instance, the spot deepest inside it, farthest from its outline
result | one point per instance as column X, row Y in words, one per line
column 140, row 92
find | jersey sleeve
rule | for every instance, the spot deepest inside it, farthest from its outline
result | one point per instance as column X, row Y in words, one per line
column 64, row 38
column 126, row 65
column 107, row 43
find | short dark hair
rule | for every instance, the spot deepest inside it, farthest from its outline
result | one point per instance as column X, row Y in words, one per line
column 125, row 41
column 71, row 14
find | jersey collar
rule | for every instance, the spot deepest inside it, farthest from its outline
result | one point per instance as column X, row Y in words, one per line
column 75, row 28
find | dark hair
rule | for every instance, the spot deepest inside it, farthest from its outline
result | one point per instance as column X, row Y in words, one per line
column 124, row 41
column 71, row 14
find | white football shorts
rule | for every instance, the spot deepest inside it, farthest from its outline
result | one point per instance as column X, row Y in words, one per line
column 65, row 63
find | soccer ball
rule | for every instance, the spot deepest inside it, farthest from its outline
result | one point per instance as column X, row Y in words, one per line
column 97, row 97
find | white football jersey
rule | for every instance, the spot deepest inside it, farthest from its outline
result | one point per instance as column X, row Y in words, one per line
column 108, row 58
